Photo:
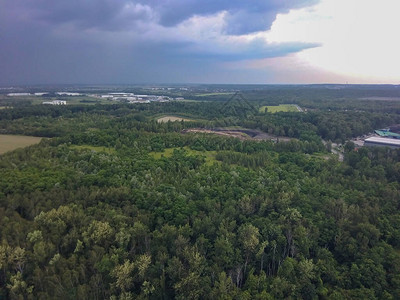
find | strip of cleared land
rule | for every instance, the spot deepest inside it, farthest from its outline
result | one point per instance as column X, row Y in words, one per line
column 381, row 98
column 280, row 108
column 12, row 142
column 172, row 119
column 94, row 148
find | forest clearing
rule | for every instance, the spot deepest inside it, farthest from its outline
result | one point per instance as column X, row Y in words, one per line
column 279, row 108
column 172, row 119
column 169, row 152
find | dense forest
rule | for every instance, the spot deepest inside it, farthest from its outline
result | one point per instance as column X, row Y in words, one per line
column 115, row 205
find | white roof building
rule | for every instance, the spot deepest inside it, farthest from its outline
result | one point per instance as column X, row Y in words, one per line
column 68, row 94
column 18, row 94
column 55, row 102
column 382, row 142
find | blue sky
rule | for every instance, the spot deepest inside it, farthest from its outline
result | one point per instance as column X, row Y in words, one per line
column 199, row 41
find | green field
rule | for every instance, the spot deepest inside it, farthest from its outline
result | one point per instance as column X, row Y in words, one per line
column 187, row 100
column 209, row 155
column 12, row 142
column 76, row 100
column 279, row 108
column 215, row 94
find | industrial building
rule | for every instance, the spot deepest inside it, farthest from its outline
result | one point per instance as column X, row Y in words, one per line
column 55, row 102
column 387, row 133
column 382, row 142
column 18, row 94
column 68, row 94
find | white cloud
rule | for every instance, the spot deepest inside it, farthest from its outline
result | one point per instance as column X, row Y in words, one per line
column 358, row 37
column 207, row 33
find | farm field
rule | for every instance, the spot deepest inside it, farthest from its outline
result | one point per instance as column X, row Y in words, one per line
column 172, row 119
column 79, row 100
column 38, row 100
column 279, row 108
column 12, row 142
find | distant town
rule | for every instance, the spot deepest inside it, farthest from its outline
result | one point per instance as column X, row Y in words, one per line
column 132, row 98
column 116, row 96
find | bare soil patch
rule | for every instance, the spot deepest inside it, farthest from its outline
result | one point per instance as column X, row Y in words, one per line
column 242, row 134
column 12, row 142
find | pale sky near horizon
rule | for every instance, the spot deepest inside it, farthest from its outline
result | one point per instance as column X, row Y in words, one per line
column 199, row 41
column 357, row 38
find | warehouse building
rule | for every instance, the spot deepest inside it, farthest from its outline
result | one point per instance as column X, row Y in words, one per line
column 382, row 142
column 55, row 102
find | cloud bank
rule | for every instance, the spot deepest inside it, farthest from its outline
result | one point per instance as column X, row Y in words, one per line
column 225, row 41
column 121, row 41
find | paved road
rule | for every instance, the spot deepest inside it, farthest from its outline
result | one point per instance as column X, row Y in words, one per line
column 340, row 154
column 299, row 108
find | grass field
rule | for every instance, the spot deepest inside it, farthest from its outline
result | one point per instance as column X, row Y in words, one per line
column 94, row 148
column 214, row 94
column 187, row 100
column 172, row 119
column 209, row 155
column 280, row 108
column 12, row 142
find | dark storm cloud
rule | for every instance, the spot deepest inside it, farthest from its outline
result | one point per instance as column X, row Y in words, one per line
column 88, row 14
column 264, row 52
column 245, row 16
column 111, row 41
column 248, row 15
